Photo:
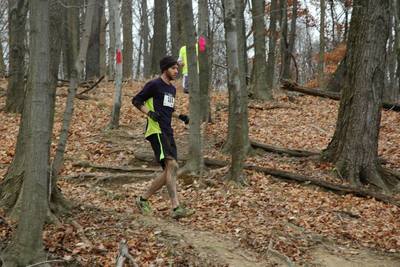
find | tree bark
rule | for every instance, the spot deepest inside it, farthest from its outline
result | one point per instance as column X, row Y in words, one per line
column 145, row 38
column 321, row 60
column 114, row 123
column 18, row 10
column 3, row 70
column 286, row 73
column 159, row 42
column 204, row 66
column 175, row 27
column 127, row 66
column 284, row 35
column 273, row 37
column 259, row 78
column 240, row 31
column 354, row 146
column 27, row 245
column 195, row 162
column 102, row 45
column 111, row 48
column 235, row 85
column 93, row 54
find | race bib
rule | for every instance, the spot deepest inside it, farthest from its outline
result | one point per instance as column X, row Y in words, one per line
column 169, row 101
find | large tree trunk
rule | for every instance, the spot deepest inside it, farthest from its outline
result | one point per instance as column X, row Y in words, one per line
column 239, row 93
column 93, row 55
column 127, row 66
column 111, row 49
column 239, row 5
column 159, row 42
column 195, row 161
column 10, row 188
column 114, row 123
column 273, row 37
column 321, row 60
column 204, row 66
column 17, row 10
column 27, row 245
column 354, row 146
column 259, row 78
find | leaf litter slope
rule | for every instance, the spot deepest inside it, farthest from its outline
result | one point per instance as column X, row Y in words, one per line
column 268, row 215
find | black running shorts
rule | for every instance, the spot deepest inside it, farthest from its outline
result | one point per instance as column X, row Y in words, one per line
column 164, row 147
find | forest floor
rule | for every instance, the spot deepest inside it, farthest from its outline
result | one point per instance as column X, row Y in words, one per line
column 269, row 222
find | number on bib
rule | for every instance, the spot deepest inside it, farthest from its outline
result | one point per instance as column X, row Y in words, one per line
column 169, row 101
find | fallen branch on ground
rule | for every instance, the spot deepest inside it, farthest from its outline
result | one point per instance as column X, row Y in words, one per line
column 274, row 106
column 336, row 188
column 292, row 86
column 124, row 254
column 282, row 150
column 91, row 87
column 81, row 234
column 115, row 168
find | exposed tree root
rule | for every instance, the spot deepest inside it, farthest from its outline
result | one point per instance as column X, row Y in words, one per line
column 292, row 86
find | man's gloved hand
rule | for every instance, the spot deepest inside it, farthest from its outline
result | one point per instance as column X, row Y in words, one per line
column 154, row 115
column 184, row 118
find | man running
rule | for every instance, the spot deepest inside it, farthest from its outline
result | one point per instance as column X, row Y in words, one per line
column 156, row 100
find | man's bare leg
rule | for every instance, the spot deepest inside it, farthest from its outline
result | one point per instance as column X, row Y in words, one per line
column 171, row 168
column 156, row 185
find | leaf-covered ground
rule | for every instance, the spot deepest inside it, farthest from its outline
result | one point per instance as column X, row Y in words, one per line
column 267, row 216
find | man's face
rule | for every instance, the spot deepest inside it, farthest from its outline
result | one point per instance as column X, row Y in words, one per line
column 172, row 72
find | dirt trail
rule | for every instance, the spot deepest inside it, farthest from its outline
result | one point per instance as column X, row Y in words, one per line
column 352, row 258
column 212, row 249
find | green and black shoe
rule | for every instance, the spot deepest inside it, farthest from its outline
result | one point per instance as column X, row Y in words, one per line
column 181, row 212
column 143, row 206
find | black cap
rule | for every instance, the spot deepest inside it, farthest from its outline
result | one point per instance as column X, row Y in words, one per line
column 167, row 62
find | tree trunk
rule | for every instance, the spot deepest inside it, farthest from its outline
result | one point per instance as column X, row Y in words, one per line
column 354, row 146
column 17, row 10
column 114, row 123
column 284, row 36
column 397, row 42
column 174, row 30
column 102, row 50
column 111, row 49
column 93, row 54
column 273, row 37
column 336, row 82
column 259, row 78
column 27, row 245
column 204, row 66
column 3, row 70
column 235, row 85
column 243, row 82
column 321, row 60
column 286, row 72
column 73, row 85
column 195, row 161
column 145, row 38
column 127, row 66
column 159, row 42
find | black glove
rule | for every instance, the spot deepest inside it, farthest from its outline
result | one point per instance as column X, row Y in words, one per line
column 154, row 115
column 184, row 118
